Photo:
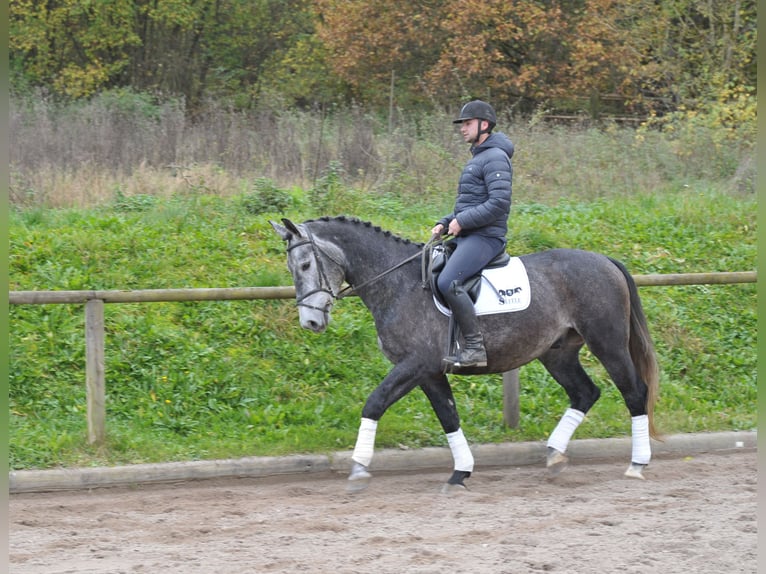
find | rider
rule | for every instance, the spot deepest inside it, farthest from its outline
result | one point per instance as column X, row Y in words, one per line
column 478, row 223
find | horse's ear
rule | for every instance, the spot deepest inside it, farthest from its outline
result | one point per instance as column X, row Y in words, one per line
column 288, row 231
column 291, row 227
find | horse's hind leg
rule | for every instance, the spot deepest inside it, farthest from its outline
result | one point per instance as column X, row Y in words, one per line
column 563, row 363
column 440, row 395
column 634, row 391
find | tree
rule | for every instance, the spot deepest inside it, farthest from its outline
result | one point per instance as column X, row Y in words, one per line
column 367, row 42
column 213, row 48
column 173, row 47
column 656, row 55
column 505, row 51
column 75, row 46
column 652, row 54
column 692, row 48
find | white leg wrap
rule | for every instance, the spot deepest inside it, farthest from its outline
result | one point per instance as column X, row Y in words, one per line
column 365, row 442
column 568, row 424
column 461, row 452
column 642, row 449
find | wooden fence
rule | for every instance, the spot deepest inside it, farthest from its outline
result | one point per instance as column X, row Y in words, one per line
column 95, row 375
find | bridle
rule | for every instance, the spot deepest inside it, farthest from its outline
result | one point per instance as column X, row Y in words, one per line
column 324, row 283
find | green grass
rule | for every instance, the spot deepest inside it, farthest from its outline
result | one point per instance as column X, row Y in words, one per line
column 210, row 380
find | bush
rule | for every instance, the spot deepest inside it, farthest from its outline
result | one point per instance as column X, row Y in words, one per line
column 266, row 197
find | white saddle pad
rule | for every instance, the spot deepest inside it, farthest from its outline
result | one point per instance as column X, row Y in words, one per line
column 503, row 289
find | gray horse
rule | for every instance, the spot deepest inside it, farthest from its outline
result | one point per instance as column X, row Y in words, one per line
column 578, row 298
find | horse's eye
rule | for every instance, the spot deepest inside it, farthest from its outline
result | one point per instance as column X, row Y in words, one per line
column 305, row 266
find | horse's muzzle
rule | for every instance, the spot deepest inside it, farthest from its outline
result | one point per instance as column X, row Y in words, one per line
column 314, row 318
column 312, row 324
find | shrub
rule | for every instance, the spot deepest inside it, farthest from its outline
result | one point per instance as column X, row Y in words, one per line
column 266, row 197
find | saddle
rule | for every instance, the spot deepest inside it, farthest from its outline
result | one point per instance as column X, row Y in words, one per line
column 437, row 258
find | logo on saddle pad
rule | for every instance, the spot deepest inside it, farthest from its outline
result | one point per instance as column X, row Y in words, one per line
column 503, row 289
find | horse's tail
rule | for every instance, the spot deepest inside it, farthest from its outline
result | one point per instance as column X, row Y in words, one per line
column 642, row 349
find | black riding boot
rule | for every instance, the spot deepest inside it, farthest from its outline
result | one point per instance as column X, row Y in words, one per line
column 473, row 354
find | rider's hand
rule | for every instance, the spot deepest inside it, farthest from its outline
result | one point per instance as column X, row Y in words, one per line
column 454, row 228
column 438, row 230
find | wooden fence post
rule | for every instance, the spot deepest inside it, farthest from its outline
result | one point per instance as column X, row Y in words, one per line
column 511, row 398
column 94, row 370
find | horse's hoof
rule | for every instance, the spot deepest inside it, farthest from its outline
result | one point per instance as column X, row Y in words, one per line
column 635, row 470
column 359, row 479
column 453, row 489
column 456, row 482
column 556, row 463
column 458, row 477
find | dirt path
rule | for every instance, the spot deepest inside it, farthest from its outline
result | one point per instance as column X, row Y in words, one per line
column 693, row 514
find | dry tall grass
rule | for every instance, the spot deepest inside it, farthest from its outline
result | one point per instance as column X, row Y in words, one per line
column 85, row 154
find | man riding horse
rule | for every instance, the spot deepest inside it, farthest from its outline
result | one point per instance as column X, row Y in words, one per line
column 478, row 223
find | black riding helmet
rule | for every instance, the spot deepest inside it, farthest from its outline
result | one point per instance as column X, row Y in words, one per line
column 479, row 110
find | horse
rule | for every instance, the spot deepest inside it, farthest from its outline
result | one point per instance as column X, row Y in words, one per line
column 577, row 298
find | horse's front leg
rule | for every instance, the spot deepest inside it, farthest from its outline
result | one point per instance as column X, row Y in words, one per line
column 401, row 380
column 360, row 476
column 439, row 393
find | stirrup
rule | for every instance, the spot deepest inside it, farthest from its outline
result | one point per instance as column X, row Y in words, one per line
column 455, row 357
column 455, row 362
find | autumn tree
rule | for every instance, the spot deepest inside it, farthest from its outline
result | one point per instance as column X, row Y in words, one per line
column 653, row 55
column 369, row 43
column 502, row 50
column 511, row 51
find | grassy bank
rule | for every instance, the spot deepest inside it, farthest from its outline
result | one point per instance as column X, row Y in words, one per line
column 225, row 379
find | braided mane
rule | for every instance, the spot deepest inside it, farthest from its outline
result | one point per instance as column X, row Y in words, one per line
column 357, row 221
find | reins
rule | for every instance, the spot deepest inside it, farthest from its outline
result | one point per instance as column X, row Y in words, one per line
column 424, row 254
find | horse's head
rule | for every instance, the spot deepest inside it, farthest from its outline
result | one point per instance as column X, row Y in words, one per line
column 318, row 271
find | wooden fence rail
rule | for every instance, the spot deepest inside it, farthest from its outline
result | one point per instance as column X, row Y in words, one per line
column 95, row 372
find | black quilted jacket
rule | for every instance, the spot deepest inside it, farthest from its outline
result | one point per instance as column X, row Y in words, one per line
column 484, row 190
